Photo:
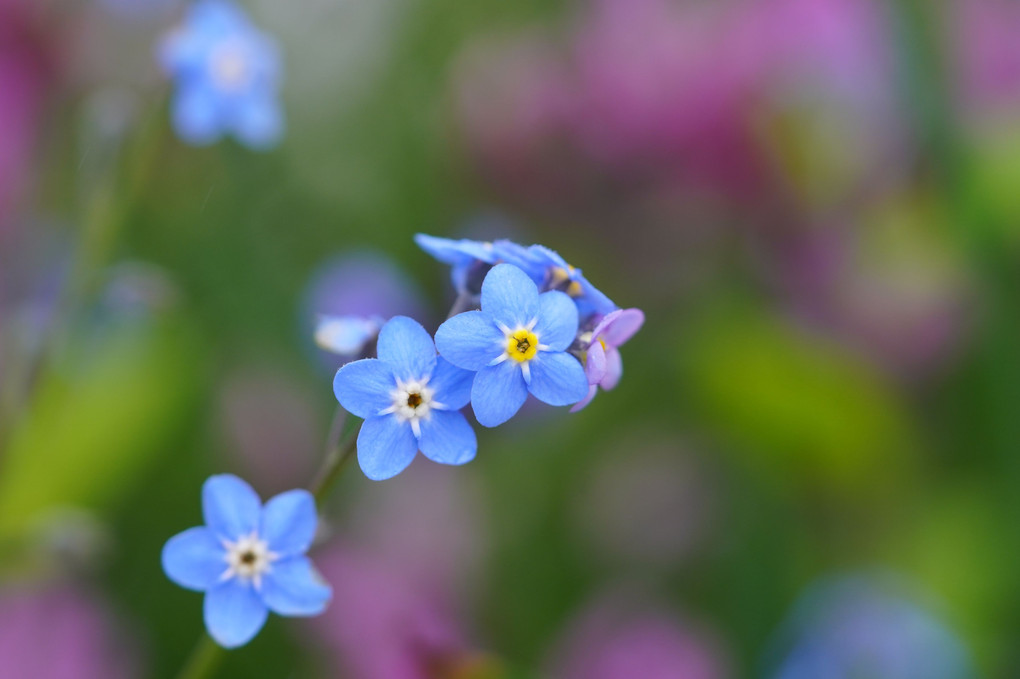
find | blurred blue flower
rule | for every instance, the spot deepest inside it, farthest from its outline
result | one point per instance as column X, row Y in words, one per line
column 517, row 343
column 249, row 559
column 227, row 74
column 865, row 627
column 346, row 335
column 410, row 399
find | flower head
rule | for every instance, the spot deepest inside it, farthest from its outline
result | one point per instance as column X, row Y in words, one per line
column 603, row 364
column 410, row 400
column 249, row 559
column 227, row 74
column 517, row 343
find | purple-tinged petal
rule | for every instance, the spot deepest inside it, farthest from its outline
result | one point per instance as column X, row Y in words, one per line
column 595, row 363
column 234, row 613
column 452, row 384
column 557, row 320
column 447, row 438
column 509, row 296
column 583, row 403
column 230, row 507
column 407, row 348
column 624, row 323
column 258, row 121
column 288, row 522
column 363, row 387
column 293, row 587
column 557, row 378
column 498, row 393
column 470, row 340
column 385, row 447
column 194, row 559
column 614, row 369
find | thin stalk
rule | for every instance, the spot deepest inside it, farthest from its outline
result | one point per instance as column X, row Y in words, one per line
column 204, row 660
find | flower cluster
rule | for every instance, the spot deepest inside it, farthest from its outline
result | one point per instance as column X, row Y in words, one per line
column 539, row 328
column 533, row 325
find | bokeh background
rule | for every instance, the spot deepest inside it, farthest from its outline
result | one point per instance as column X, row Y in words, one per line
column 809, row 471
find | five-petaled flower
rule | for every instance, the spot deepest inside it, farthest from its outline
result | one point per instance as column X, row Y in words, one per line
column 249, row 559
column 410, row 399
column 227, row 75
column 603, row 364
column 517, row 343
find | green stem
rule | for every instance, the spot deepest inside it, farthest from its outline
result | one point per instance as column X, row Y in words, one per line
column 338, row 453
column 204, row 660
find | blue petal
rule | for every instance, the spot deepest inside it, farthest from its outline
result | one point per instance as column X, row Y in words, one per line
column 557, row 378
column 446, row 437
column 470, row 340
column 288, row 522
column 385, row 447
column 557, row 320
column 257, row 120
column 592, row 300
column 363, row 387
column 407, row 348
column 234, row 613
column 498, row 393
column 509, row 296
column 194, row 559
column 293, row 587
column 452, row 384
column 451, row 251
column 230, row 507
column 195, row 114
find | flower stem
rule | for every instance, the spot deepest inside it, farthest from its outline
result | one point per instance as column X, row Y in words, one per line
column 205, row 658
column 338, row 453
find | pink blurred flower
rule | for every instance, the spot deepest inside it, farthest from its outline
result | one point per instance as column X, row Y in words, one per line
column 269, row 423
column 663, row 97
column 59, row 632
column 986, row 53
column 615, row 640
column 402, row 579
column 24, row 76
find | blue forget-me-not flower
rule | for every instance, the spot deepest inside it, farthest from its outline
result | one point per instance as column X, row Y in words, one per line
column 227, row 75
column 249, row 559
column 517, row 343
column 410, row 399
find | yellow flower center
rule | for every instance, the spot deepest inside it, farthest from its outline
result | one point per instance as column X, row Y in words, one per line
column 522, row 345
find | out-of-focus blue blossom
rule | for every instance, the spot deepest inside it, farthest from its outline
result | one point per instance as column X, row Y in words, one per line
column 350, row 297
column 517, row 343
column 410, row 399
column 346, row 335
column 603, row 364
column 227, row 76
column 865, row 627
column 249, row 559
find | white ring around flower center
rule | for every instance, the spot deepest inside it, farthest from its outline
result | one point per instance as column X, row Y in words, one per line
column 248, row 558
column 413, row 401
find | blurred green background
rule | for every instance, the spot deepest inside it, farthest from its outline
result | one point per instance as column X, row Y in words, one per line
column 827, row 383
